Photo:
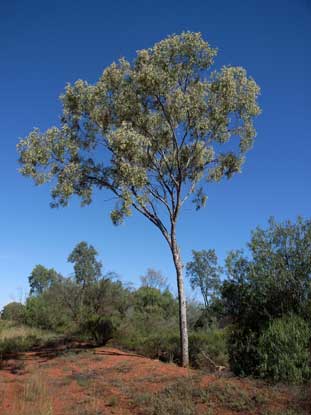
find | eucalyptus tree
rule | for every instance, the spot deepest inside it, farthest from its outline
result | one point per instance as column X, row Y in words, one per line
column 87, row 269
column 41, row 279
column 153, row 131
column 204, row 273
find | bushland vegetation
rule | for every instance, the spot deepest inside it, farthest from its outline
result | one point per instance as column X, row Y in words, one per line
column 254, row 317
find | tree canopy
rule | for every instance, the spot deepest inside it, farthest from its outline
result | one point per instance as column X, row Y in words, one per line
column 204, row 273
column 163, row 118
column 41, row 279
column 270, row 281
column 87, row 268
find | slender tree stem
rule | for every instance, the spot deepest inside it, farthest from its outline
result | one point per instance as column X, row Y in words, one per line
column 182, row 300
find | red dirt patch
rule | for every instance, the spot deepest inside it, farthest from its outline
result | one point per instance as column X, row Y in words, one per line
column 105, row 380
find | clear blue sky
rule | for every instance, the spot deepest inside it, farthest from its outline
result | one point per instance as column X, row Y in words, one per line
column 44, row 45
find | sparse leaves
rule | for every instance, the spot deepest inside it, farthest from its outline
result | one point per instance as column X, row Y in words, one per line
column 149, row 131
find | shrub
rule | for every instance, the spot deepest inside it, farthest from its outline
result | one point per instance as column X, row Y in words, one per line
column 15, row 339
column 165, row 345
column 283, row 350
column 243, row 351
column 38, row 313
column 100, row 329
column 14, row 311
column 176, row 399
column 212, row 343
column 270, row 281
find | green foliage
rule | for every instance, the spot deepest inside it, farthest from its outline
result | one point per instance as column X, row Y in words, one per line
column 149, row 300
column 150, row 325
column 162, row 120
column 283, row 350
column 243, row 351
column 48, row 311
column 164, row 345
column 14, row 311
column 272, row 282
column 99, row 328
column 153, row 132
column 89, row 304
column 37, row 312
column 41, row 279
column 86, row 268
column 204, row 274
column 16, row 338
column 208, row 344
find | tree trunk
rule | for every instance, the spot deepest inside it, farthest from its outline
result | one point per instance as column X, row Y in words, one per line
column 183, row 329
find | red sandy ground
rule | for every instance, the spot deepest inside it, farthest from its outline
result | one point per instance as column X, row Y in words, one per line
column 106, row 381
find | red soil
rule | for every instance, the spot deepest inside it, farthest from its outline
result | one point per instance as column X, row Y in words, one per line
column 108, row 381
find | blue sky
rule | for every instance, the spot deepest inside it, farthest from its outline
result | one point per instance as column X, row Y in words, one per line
column 44, row 45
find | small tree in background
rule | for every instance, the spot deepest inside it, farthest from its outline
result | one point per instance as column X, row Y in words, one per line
column 41, row 279
column 87, row 269
column 14, row 311
column 154, row 279
column 153, row 131
column 204, row 274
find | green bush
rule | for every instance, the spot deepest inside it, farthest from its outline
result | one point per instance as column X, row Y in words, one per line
column 210, row 343
column 17, row 338
column 14, row 311
column 165, row 345
column 243, row 351
column 38, row 313
column 100, row 329
column 18, row 344
column 268, row 282
column 283, row 350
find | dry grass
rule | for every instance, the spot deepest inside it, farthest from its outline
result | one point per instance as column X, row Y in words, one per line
column 20, row 338
column 33, row 398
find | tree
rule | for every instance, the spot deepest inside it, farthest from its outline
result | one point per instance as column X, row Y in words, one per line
column 204, row 274
column 153, row 132
column 87, row 268
column 154, row 279
column 273, row 281
column 41, row 279
column 14, row 311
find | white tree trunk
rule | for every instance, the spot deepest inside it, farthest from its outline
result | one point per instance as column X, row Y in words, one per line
column 183, row 328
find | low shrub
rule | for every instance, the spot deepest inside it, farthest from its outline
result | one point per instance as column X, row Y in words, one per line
column 176, row 399
column 15, row 339
column 165, row 345
column 284, row 350
column 99, row 329
column 207, row 345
